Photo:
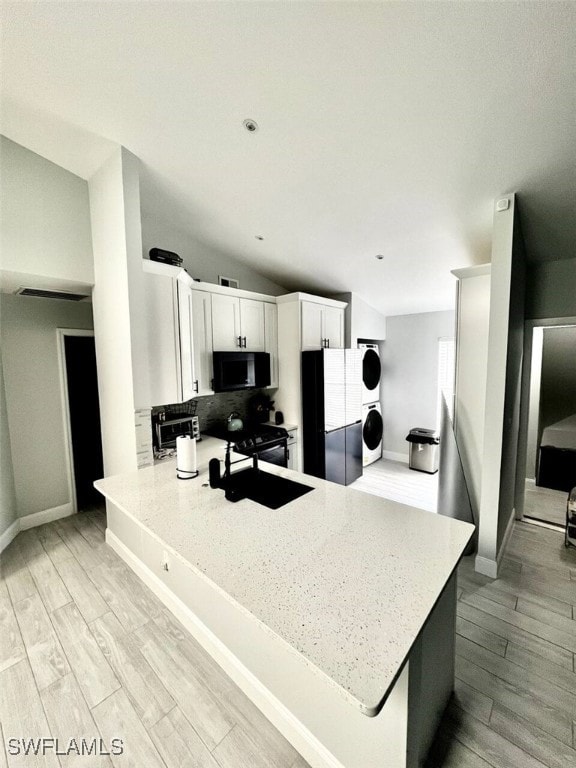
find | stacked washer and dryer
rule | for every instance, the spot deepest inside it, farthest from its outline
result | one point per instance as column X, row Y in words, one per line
column 372, row 424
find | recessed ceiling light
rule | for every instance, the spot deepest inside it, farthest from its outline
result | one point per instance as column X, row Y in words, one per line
column 250, row 125
column 379, row 256
column 258, row 237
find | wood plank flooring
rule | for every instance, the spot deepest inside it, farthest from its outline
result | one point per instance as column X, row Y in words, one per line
column 86, row 651
column 515, row 698
column 396, row 481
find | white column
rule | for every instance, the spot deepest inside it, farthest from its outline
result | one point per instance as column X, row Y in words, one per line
column 118, row 305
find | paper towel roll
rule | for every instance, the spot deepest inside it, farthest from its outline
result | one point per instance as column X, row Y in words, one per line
column 186, row 464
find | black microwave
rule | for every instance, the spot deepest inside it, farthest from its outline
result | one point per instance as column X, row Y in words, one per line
column 240, row 370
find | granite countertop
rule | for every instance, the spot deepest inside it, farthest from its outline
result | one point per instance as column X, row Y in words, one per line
column 346, row 578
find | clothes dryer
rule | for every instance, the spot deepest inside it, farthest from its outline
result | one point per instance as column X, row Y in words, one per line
column 372, row 433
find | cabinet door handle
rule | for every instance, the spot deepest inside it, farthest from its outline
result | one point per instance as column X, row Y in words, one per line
column 328, row 343
column 244, row 339
column 239, row 341
column 196, row 388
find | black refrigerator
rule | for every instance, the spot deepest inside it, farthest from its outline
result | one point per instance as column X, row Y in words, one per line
column 332, row 414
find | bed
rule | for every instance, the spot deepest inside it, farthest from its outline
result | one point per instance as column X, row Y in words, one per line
column 557, row 455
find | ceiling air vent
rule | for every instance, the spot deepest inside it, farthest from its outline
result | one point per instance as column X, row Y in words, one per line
column 43, row 294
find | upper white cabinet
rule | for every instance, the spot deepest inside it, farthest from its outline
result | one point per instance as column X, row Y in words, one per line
column 169, row 320
column 202, row 341
column 189, row 384
column 322, row 326
column 187, row 320
column 271, row 333
column 237, row 323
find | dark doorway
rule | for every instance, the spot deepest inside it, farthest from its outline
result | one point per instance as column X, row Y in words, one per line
column 84, row 418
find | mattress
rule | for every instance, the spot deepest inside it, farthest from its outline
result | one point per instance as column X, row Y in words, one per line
column 561, row 435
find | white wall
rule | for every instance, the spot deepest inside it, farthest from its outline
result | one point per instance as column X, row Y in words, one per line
column 410, row 374
column 45, row 217
column 118, row 302
column 362, row 321
column 503, row 387
column 201, row 260
column 8, row 512
column 471, row 364
column 551, row 289
column 32, row 379
column 513, row 385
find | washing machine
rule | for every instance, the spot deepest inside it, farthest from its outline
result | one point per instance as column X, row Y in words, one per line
column 371, row 372
column 372, row 433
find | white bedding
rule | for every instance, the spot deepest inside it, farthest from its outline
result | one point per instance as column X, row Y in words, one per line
column 561, row 435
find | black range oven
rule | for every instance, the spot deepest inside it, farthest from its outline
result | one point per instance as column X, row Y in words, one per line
column 270, row 446
column 268, row 442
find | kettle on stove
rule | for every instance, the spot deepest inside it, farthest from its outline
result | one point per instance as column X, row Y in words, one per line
column 234, row 422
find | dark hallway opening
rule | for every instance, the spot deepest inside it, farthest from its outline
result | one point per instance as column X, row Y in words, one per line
column 84, row 418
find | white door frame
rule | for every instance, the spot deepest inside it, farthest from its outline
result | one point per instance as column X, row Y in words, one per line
column 529, row 325
column 61, row 334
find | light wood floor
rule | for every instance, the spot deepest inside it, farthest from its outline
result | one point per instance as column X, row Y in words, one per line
column 395, row 480
column 87, row 651
column 515, row 699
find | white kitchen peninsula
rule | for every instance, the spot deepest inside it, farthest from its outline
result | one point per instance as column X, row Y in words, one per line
column 334, row 613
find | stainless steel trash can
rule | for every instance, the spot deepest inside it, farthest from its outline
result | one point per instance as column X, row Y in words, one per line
column 424, row 449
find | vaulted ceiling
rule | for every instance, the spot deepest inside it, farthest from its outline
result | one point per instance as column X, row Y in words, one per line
column 383, row 128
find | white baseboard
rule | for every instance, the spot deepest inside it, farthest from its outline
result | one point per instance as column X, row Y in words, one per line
column 33, row 520
column 485, row 565
column 46, row 516
column 392, row 456
column 273, row 709
column 9, row 534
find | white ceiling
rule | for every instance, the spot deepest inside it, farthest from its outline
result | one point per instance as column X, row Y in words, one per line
column 385, row 128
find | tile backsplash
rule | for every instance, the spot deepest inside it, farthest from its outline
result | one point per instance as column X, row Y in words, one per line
column 212, row 409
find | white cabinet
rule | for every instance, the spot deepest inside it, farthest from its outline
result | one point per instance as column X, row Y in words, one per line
column 202, row 341
column 187, row 320
column 322, row 326
column 186, row 340
column 168, row 311
column 333, row 327
column 292, row 443
column 252, row 325
column 237, row 323
column 271, row 336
